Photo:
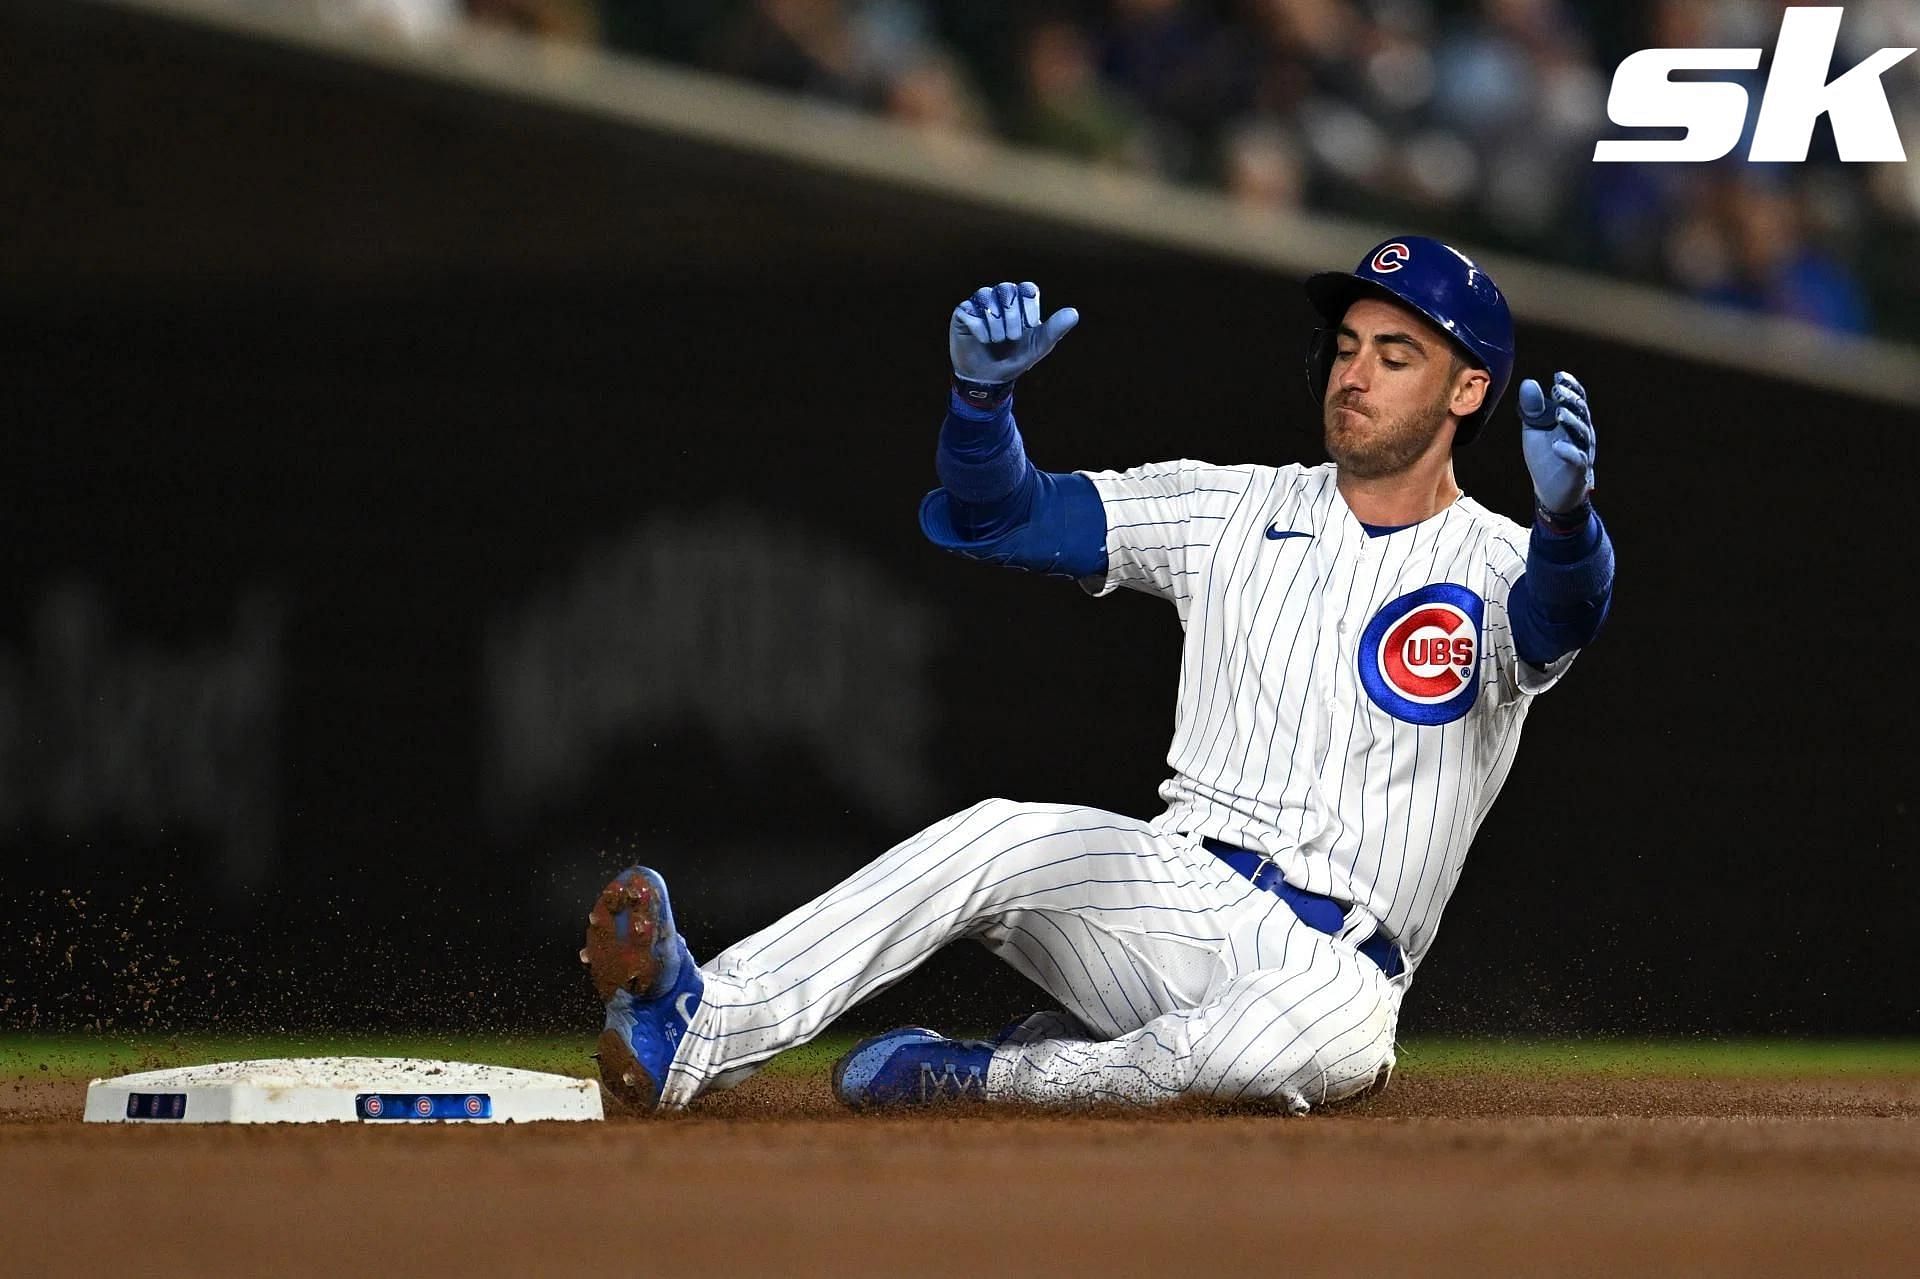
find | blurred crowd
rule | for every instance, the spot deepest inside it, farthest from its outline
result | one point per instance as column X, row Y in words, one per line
column 1473, row 118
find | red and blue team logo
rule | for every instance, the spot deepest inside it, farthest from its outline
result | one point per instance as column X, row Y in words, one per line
column 1391, row 257
column 473, row 1106
column 423, row 1107
column 1420, row 655
column 374, row 1107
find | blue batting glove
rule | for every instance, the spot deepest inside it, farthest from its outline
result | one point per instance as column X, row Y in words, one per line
column 996, row 334
column 1558, row 442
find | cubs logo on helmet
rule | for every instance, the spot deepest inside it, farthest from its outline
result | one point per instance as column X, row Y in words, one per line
column 1420, row 655
column 1389, row 258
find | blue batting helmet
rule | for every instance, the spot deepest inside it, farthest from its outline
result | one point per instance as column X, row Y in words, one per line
column 1442, row 284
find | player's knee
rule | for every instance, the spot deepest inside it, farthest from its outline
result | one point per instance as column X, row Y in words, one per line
column 1355, row 1068
column 995, row 836
column 997, row 814
column 973, row 819
column 981, row 831
column 1352, row 1053
column 1305, row 1076
column 1306, row 1055
column 1055, row 832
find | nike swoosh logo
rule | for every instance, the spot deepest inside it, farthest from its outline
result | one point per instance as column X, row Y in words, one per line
column 684, row 1006
column 1275, row 532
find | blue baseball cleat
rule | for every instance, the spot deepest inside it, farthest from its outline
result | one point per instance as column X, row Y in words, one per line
column 645, row 975
column 912, row 1066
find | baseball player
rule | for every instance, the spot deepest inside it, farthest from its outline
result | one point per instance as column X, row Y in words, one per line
column 1362, row 644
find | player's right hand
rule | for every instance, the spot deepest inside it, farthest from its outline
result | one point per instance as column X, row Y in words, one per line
column 996, row 335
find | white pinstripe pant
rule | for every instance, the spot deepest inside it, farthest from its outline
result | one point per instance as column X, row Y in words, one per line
column 1192, row 982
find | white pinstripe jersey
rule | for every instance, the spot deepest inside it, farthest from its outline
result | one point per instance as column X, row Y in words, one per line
column 1349, row 705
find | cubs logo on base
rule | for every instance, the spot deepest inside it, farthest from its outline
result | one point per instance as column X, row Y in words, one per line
column 1420, row 655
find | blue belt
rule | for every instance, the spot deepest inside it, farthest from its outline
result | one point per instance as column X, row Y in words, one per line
column 1322, row 914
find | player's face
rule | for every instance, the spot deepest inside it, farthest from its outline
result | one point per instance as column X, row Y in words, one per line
column 1395, row 387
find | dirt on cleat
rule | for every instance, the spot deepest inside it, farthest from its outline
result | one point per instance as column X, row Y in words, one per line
column 614, row 962
column 622, row 1075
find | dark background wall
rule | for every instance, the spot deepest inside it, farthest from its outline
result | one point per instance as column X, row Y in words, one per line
column 418, row 505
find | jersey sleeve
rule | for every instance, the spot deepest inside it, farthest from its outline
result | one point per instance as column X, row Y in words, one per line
column 1515, row 677
column 1163, row 520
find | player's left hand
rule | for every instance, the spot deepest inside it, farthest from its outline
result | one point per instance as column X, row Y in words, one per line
column 1558, row 442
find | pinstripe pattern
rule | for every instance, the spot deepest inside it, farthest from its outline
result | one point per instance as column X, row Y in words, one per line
column 1188, row 979
column 1316, row 1028
column 1181, row 979
column 1277, row 746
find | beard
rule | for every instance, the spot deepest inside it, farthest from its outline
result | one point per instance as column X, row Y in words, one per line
column 1371, row 448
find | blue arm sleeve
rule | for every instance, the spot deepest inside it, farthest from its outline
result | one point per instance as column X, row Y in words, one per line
column 996, row 506
column 1558, row 604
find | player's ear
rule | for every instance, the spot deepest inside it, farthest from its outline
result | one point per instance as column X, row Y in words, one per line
column 1469, row 390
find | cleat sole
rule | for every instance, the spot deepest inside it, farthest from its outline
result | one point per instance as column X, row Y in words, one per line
column 622, row 1075
column 623, row 963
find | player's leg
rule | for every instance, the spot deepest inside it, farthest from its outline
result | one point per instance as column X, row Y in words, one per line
column 1316, row 1027
column 1021, row 877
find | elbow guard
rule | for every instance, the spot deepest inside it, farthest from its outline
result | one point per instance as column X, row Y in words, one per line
column 1559, row 603
column 1064, row 533
column 1543, row 635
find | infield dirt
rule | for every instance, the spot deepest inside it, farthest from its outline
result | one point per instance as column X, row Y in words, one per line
column 1458, row 1174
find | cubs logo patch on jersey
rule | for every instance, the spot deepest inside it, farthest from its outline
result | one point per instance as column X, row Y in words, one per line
column 1420, row 655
